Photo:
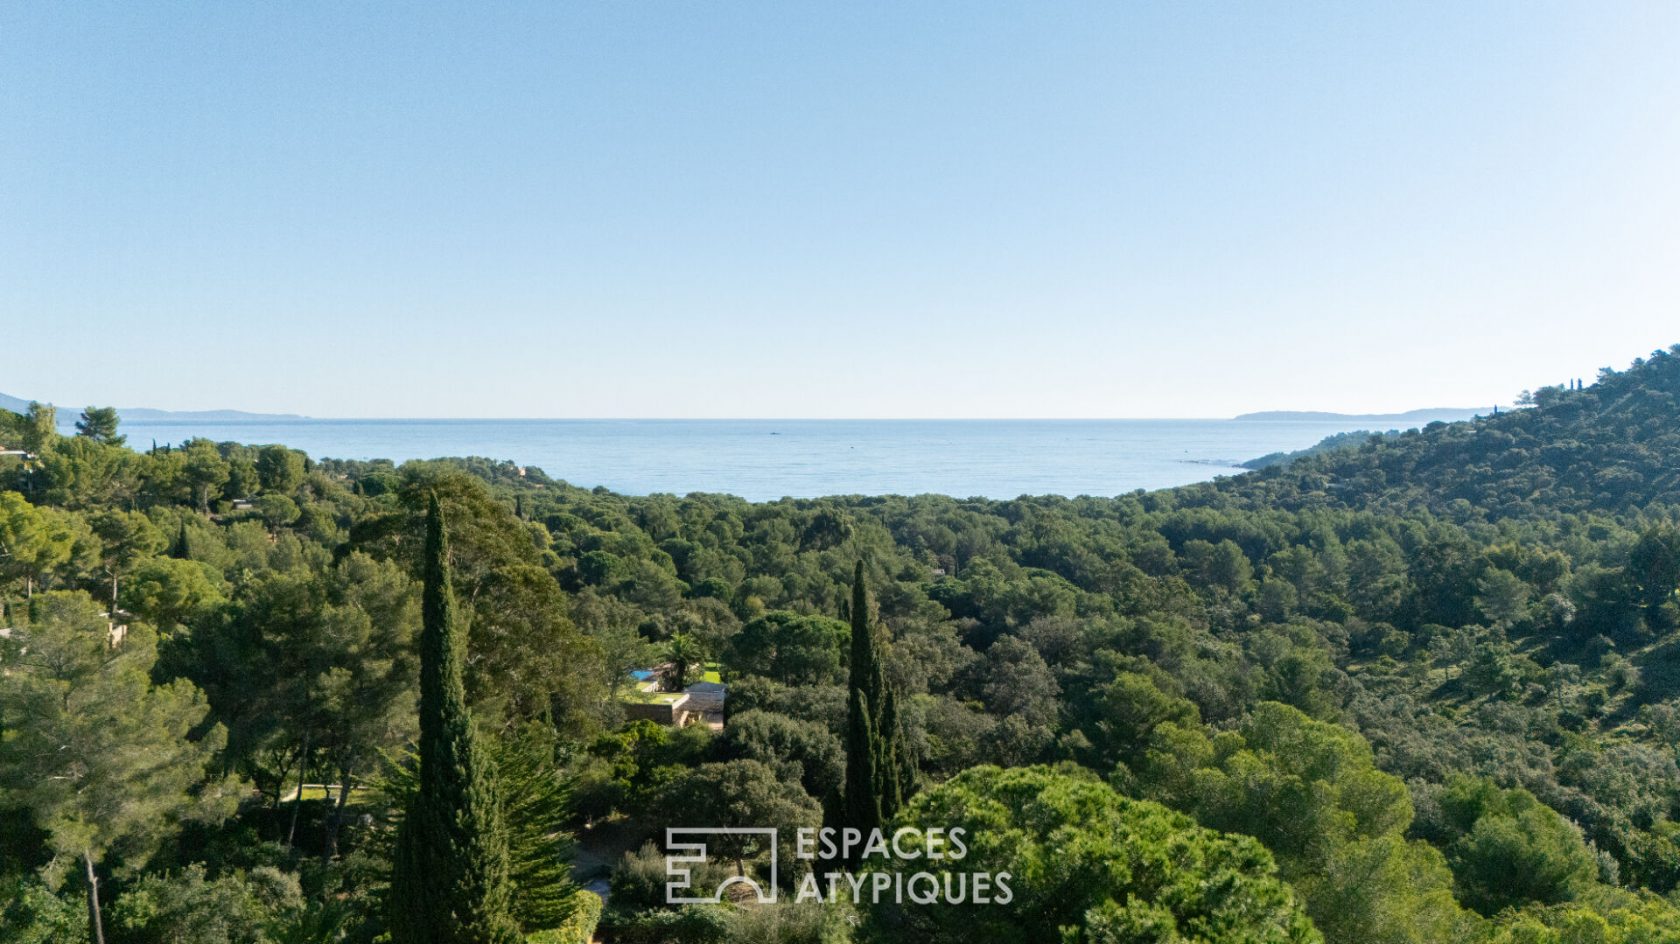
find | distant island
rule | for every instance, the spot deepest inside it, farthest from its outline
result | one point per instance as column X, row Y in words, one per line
column 67, row 415
column 142, row 415
column 1419, row 417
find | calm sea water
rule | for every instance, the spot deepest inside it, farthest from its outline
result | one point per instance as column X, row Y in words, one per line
column 768, row 459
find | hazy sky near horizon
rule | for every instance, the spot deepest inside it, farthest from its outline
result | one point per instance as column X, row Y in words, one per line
column 833, row 210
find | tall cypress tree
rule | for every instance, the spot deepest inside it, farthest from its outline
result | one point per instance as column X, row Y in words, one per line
column 860, row 805
column 876, row 762
column 889, row 771
column 182, row 548
column 449, row 883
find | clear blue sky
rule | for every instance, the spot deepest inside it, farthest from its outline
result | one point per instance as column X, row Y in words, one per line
column 860, row 209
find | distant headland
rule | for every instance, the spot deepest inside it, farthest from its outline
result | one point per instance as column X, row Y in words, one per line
column 145, row 415
column 1431, row 415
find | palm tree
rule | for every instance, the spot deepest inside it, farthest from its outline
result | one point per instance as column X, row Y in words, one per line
column 683, row 653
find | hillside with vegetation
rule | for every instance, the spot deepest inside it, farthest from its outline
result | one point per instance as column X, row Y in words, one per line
column 1347, row 440
column 1421, row 689
column 1611, row 447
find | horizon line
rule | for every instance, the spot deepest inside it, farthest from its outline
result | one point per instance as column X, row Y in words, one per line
column 301, row 418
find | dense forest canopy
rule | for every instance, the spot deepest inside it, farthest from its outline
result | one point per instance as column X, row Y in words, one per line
column 1422, row 688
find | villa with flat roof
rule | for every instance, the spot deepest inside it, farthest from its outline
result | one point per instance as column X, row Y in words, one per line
column 700, row 702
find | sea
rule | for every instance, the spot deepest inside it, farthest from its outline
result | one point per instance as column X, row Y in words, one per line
column 763, row 460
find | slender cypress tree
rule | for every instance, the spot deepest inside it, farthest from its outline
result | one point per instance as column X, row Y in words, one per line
column 449, row 882
column 860, row 806
column 876, row 762
column 182, row 548
column 864, row 659
column 889, row 749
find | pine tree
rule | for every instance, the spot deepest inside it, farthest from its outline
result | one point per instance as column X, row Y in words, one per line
column 536, row 806
column 877, row 765
column 102, row 757
column 450, row 881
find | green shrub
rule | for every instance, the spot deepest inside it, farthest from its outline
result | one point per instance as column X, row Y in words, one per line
column 579, row 928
